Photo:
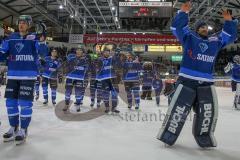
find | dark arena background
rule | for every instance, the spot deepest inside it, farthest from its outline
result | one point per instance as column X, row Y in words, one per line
column 119, row 79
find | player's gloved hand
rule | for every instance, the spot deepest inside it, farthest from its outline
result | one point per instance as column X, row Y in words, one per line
column 42, row 61
column 60, row 79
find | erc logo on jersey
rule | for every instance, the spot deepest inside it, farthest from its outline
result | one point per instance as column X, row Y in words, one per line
column 203, row 47
column 19, row 47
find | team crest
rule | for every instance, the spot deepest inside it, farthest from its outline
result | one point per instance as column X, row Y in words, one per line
column 203, row 47
column 19, row 47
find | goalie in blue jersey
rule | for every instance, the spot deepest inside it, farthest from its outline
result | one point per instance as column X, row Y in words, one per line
column 195, row 87
column 235, row 71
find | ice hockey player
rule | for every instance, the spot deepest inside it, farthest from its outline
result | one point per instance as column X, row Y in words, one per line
column 50, row 75
column 95, row 85
column 235, row 68
column 195, row 85
column 77, row 65
column 157, row 86
column 42, row 52
column 21, row 48
column 106, row 75
column 148, row 75
column 131, row 79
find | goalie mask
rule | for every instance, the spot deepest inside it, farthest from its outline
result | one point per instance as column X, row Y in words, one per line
column 236, row 59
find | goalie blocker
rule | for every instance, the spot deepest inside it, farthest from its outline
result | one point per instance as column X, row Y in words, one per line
column 202, row 96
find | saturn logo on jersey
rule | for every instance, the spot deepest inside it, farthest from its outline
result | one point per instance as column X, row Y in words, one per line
column 201, row 57
column 19, row 47
column 24, row 58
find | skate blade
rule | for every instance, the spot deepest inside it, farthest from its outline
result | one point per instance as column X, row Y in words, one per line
column 18, row 143
column 166, row 145
column 107, row 113
column 6, row 140
column 114, row 113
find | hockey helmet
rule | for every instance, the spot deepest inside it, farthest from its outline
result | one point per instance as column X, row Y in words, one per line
column 25, row 18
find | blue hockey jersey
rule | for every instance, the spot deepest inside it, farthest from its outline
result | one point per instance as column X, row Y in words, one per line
column 93, row 68
column 22, row 56
column 131, row 71
column 106, row 70
column 199, row 54
column 236, row 73
column 147, row 77
column 157, row 84
column 43, row 49
column 78, row 67
column 51, row 68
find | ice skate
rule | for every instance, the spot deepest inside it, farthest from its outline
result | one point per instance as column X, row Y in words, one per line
column 149, row 98
column 45, row 102
column 37, row 97
column 21, row 136
column 129, row 106
column 78, row 108
column 137, row 107
column 92, row 104
column 54, row 102
column 107, row 110
column 98, row 105
column 66, row 107
column 114, row 110
column 10, row 135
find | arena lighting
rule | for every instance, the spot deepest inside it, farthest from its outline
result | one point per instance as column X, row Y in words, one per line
column 100, row 33
column 61, row 7
column 71, row 16
column 113, row 8
column 210, row 28
column 167, row 73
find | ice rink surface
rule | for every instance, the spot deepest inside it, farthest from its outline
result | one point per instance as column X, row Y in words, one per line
column 112, row 137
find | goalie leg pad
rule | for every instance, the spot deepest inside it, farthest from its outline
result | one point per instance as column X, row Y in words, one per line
column 237, row 97
column 205, row 119
column 177, row 113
